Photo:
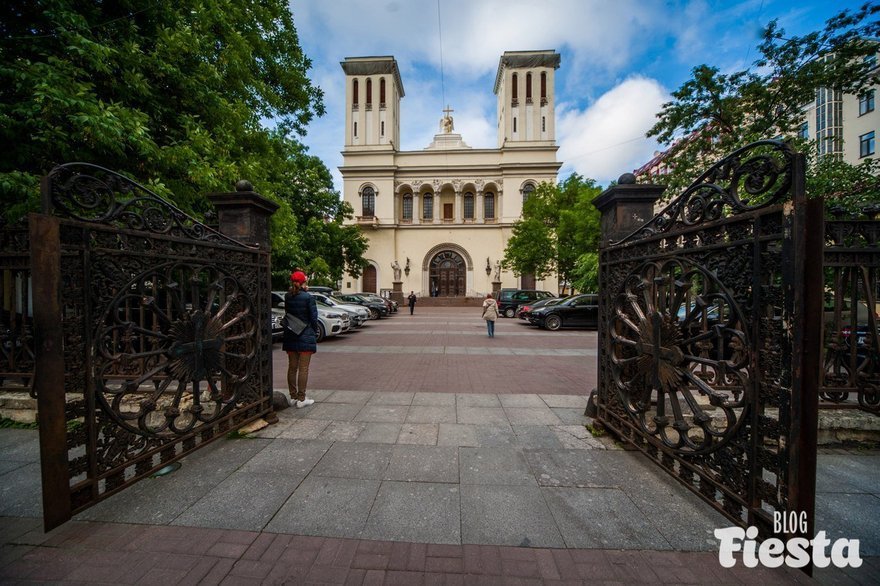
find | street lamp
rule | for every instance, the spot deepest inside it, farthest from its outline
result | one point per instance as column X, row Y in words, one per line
column 488, row 267
column 406, row 268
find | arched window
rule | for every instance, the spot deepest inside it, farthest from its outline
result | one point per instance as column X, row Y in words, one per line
column 356, row 93
column 528, row 88
column 513, row 90
column 468, row 206
column 489, row 206
column 369, row 92
column 407, row 206
column 382, row 93
column 368, row 202
column 527, row 191
column 427, row 206
column 543, row 87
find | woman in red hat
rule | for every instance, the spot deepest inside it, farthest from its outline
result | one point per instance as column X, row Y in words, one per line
column 300, row 347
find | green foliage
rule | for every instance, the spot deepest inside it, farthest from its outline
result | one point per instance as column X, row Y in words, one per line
column 559, row 224
column 176, row 94
column 715, row 113
column 585, row 276
column 6, row 423
column 237, row 434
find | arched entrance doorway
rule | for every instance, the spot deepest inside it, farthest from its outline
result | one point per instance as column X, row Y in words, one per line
column 447, row 275
column 370, row 279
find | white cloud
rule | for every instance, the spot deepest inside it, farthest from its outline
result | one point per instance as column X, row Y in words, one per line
column 607, row 139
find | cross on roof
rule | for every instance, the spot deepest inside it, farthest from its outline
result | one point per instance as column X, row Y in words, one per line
column 448, row 110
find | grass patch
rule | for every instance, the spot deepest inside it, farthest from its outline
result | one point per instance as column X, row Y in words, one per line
column 237, row 434
column 6, row 423
column 595, row 430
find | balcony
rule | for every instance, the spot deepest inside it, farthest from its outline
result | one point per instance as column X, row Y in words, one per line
column 367, row 221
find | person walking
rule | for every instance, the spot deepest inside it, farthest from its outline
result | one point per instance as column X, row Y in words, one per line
column 300, row 346
column 490, row 314
column 412, row 301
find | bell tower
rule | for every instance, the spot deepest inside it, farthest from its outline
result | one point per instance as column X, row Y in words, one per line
column 524, row 86
column 372, row 103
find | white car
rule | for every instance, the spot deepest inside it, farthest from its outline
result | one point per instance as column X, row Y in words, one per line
column 359, row 314
column 331, row 321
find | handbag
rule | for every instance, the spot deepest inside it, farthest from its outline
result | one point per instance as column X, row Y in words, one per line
column 293, row 323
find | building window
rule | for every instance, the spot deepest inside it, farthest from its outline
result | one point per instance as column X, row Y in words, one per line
column 468, row 206
column 368, row 202
column 369, row 93
column 804, row 131
column 355, row 91
column 355, row 129
column 866, row 103
column 543, row 88
column 527, row 191
column 407, row 206
column 866, row 144
column 382, row 93
column 514, row 124
column 829, row 122
column 382, row 128
column 489, row 206
column 543, row 124
column 513, row 91
column 428, row 206
column 528, row 88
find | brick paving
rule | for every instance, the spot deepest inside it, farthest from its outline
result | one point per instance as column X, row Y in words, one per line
column 86, row 552
column 410, row 409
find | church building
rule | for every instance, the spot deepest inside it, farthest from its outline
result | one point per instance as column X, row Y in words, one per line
column 438, row 219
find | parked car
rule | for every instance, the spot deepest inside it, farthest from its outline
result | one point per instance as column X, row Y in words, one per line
column 389, row 303
column 507, row 303
column 377, row 309
column 575, row 311
column 331, row 321
column 320, row 289
column 358, row 313
column 525, row 311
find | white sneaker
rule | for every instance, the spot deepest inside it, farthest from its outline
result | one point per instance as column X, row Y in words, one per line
column 304, row 403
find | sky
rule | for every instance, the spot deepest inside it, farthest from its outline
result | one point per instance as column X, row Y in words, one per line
column 620, row 61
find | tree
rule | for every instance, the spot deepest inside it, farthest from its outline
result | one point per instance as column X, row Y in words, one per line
column 559, row 224
column 179, row 95
column 715, row 113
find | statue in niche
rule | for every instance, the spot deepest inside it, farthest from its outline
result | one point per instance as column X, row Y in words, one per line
column 395, row 266
column 498, row 271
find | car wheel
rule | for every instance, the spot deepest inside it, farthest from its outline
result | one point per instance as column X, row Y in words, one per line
column 554, row 322
column 509, row 312
column 320, row 334
column 374, row 313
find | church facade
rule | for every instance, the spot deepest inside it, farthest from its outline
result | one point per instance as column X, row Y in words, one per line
column 438, row 219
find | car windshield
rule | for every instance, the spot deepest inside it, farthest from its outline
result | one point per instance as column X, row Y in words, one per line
column 335, row 299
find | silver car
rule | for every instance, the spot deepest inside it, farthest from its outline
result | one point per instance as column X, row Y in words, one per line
column 359, row 314
column 331, row 321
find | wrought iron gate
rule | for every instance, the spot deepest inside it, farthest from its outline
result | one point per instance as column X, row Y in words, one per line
column 151, row 335
column 701, row 311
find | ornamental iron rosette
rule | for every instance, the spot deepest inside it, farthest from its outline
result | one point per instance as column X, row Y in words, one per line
column 175, row 348
column 680, row 356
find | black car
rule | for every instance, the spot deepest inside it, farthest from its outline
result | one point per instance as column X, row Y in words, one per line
column 508, row 302
column 378, row 309
column 575, row 311
column 525, row 311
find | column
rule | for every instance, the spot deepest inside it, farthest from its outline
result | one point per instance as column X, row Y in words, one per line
column 481, row 208
column 436, row 210
column 458, row 208
column 417, row 210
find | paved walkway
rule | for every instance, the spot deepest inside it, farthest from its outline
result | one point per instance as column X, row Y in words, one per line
column 415, row 487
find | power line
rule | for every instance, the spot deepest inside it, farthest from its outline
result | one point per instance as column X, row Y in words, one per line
column 440, row 34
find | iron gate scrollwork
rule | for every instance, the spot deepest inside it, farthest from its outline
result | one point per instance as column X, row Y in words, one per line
column 699, row 311
column 160, row 331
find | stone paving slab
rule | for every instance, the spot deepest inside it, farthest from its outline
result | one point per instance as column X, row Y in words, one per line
column 423, row 512
column 507, row 515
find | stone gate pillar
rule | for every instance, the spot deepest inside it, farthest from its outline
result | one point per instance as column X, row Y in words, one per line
column 244, row 215
column 625, row 207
